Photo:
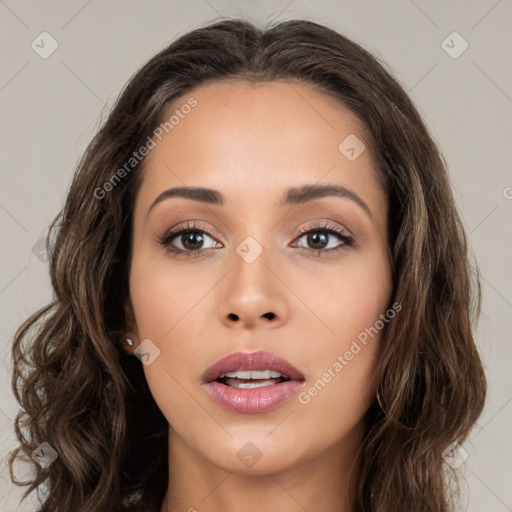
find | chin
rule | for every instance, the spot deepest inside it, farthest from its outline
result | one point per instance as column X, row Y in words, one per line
column 255, row 454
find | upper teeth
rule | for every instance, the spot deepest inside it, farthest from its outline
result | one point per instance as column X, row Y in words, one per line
column 252, row 374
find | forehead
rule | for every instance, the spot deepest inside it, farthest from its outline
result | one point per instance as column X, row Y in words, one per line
column 288, row 109
column 245, row 137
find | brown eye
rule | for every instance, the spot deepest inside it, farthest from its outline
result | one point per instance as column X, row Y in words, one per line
column 191, row 238
column 320, row 237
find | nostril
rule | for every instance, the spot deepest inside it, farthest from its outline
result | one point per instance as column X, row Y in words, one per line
column 232, row 316
column 270, row 316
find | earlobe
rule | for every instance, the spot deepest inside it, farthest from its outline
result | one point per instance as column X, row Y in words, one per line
column 128, row 346
column 130, row 337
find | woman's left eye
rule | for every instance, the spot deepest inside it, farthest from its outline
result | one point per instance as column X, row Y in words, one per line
column 325, row 231
column 192, row 237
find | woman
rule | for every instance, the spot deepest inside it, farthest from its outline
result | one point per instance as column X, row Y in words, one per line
column 263, row 299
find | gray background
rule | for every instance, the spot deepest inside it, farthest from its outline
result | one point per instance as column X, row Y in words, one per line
column 50, row 109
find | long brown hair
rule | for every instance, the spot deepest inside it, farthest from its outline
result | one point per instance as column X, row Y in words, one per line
column 86, row 398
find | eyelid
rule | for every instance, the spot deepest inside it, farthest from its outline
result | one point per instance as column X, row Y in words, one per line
column 191, row 225
column 324, row 224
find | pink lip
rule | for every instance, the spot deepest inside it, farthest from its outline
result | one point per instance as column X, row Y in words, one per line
column 251, row 361
column 252, row 400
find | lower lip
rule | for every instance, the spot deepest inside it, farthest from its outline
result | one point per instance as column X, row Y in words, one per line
column 252, row 400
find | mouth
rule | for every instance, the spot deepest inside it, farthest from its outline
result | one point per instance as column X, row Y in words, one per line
column 252, row 382
column 242, row 379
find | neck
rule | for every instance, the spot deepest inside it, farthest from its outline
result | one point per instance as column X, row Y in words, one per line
column 321, row 483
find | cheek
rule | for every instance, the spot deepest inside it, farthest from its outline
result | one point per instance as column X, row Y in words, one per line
column 161, row 295
column 165, row 300
column 350, row 305
column 344, row 381
column 342, row 384
column 347, row 298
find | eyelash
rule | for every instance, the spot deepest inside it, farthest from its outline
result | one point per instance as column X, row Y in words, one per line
column 325, row 227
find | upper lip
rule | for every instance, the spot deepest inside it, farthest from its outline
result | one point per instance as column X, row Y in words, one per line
column 260, row 360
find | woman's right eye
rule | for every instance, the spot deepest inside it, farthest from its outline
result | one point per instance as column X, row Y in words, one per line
column 188, row 237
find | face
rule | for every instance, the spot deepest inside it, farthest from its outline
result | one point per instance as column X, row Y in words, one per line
column 269, row 268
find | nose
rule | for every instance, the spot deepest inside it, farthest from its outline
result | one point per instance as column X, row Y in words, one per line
column 253, row 295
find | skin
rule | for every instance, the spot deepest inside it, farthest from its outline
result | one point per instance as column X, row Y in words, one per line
column 252, row 142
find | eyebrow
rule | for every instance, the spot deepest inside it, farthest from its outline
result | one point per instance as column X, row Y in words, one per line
column 293, row 196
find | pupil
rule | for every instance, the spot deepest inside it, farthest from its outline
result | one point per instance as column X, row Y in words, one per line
column 189, row 238
column 313, row 238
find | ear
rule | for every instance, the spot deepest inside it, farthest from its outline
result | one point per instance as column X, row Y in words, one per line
column 131, row 332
